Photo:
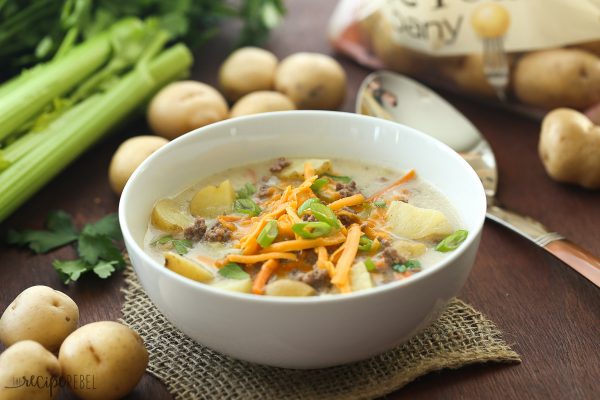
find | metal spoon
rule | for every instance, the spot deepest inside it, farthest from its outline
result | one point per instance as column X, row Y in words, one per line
column 398, row 98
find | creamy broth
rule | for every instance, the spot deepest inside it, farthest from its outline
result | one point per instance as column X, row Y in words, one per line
column 387, row 255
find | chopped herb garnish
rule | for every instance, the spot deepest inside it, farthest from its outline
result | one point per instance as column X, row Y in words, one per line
column 268, row 234
column 399, row 268
column 181, row 246
column 380, row 204
column 97, row 245
column 233, row 271
column 311, row 230
column 343, row 179
column 365, row 244
column 318, row 184
column 246, row 206
column 451, row 242
column 370, row 265
column 246, row 191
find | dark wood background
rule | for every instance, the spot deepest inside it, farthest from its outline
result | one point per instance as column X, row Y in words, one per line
column 549, row 313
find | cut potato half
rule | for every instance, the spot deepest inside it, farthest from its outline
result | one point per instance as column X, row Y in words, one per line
column 235, row 285
column 360, row 278
column 413, row 222
column 211, row 201
column 288, row 287
column 168, row 216
column 188, row 268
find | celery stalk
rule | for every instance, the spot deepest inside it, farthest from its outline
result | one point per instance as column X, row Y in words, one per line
column 77, row 129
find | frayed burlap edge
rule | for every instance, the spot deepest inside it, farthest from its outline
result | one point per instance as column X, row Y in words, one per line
column 461, row 336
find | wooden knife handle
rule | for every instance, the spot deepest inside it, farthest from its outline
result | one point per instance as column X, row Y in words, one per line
column 577, row 258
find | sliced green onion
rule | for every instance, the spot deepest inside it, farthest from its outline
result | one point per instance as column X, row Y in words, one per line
column 268, row 234
column 324, row 214
column 233, row 271
column 399, row 268
column 318, row 184
column 246, row 191
column 343, row 179
column 370, row 265
column 365, row 244
column 413, row 264
column 380, row 204
column 311, row 230
column 306, row 205
column 246, row 206
column 451, row 242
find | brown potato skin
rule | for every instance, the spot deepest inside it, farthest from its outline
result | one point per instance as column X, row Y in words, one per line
column 247, row 70
column 41, row 314
column 467, row 74
column 312, row 81
column 112, row 354
column 260, row 102
column 558, row 78
column 28, row 359
column 569, row 148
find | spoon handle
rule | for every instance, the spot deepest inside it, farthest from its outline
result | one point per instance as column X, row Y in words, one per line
column 574, row 256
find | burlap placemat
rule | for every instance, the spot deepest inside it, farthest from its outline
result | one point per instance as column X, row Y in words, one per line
column 461, row 336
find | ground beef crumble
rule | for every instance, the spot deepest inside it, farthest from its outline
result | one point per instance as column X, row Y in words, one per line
column 346, row 189
column 309, row 218
column 317, row 278
column 217, row 233
column 279, row 165
column 195, row 232
column 391, row 256
column 264, row 191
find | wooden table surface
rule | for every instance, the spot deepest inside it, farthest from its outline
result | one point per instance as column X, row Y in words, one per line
column 549, row 313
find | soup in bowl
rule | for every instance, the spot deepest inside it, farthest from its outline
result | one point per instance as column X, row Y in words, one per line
column 302, row 239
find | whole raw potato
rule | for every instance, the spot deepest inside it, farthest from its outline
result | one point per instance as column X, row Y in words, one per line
column 28, row 372
column 467, row 74
column 311, row 81
column 110, row 354
column 247, row 70
column 39, row 313
column 184, row 106
column 260, row 102
column 129, row 156
column 558, row 78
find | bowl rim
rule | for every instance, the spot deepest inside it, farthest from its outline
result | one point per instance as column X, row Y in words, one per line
column 262, row 299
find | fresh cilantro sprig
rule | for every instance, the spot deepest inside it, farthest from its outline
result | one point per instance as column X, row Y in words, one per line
column 181, row 246
column 97, row 245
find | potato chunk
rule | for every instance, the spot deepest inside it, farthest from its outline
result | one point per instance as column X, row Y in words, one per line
column 288, row 287
column 360, row 278
column 235, row 285
column 168, row 216
column 296, row 168
column 211, row 201
column 413, row 222
column 188, row 268
column 408, row 249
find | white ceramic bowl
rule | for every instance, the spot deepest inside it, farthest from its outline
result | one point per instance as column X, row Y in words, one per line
column 301, row 332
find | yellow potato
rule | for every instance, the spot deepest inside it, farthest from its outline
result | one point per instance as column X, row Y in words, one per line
column 39, row 313
column 184, row 106
column 412, row 222
column 558, row 78
column 211, row 201
column 130, row 154
column 188, row 268
column 466, row 73
column 408, row 249
column 167, row 215
column 235, row 285
column 360, row 278
column 288, row 287
column 247, row 70
column 261, row 102
column 110, row 354
column 28, row 372
column 296, row 168
column 311, row 81
column 592, row 47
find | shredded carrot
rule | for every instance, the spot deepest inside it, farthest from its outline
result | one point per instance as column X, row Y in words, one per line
column 266, row 270
column 226, row 224
column 251, row 259
column 285, row 227
column 302, row 244
column 407, row 177
column 373, row 233
column 322, row 256
column 342, row 269
column 250, row 246
column 336, row 254
column 230, row 218
column 293, row 216
column 308, row 170
column 347, row 202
